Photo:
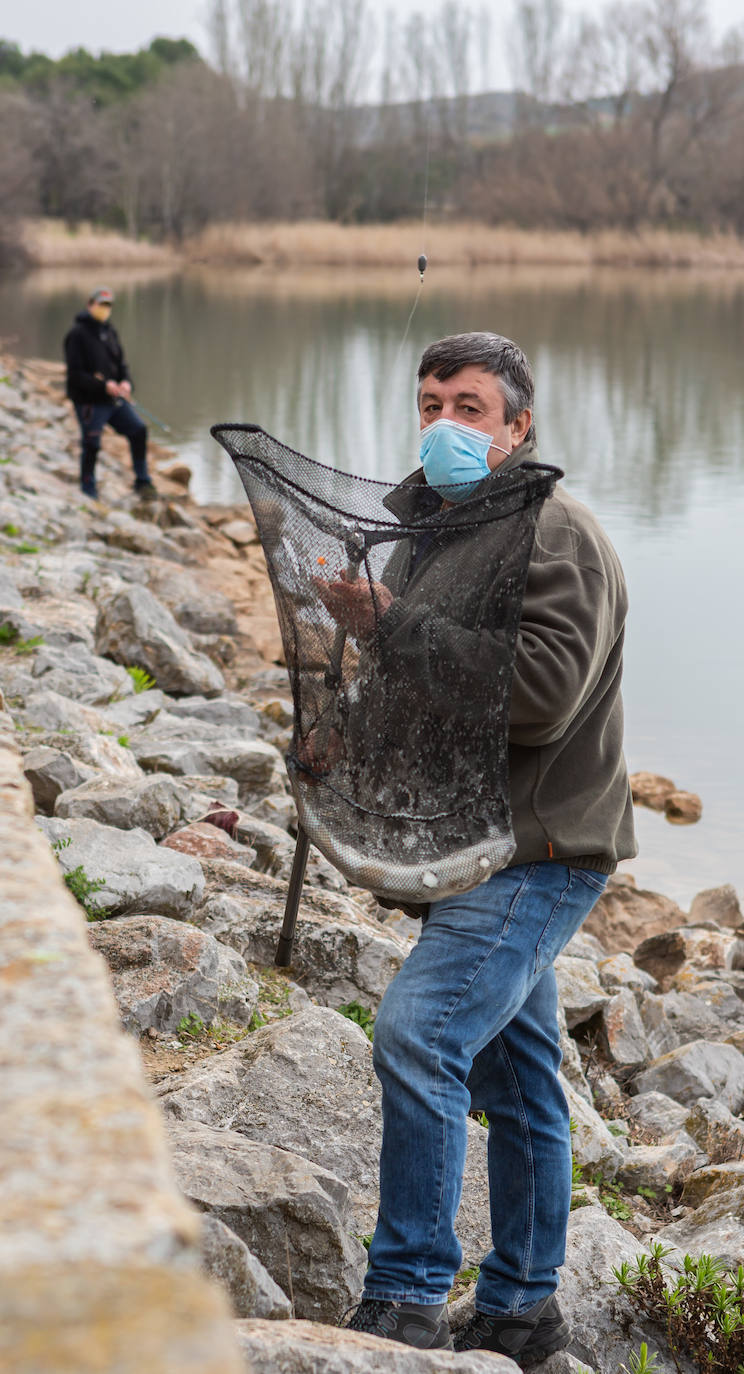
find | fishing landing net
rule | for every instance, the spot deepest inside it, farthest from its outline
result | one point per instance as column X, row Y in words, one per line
column 398, row 761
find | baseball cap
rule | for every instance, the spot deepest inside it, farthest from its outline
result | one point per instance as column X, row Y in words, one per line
column 102, row 295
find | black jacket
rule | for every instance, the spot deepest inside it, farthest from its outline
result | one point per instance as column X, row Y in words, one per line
column 94, row 356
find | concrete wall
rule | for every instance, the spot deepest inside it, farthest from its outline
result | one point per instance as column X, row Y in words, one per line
column 98, row 1257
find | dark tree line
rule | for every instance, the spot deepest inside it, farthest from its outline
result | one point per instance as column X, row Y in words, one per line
column 328, row 109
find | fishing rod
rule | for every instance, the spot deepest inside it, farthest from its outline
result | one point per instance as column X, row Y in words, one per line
column 139, row 406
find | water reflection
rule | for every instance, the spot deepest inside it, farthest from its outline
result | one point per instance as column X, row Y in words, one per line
column 639, row 400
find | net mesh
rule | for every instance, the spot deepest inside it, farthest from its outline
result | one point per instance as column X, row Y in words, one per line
column 398, row 761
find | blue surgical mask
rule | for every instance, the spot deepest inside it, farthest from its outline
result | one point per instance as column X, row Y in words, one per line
column 455, row 458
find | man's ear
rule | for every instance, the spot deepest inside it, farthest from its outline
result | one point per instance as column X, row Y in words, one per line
column 520, row 426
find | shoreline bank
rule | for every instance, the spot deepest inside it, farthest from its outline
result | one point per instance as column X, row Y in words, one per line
column 316, row 244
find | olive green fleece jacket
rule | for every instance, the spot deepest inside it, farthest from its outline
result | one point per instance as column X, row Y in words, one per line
column 569, row 791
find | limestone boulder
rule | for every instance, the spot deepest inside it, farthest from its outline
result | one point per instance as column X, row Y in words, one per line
column 52, row 771
column 164, row 970
column 718, row 904
column 715, row 1130
column 714, row 1228
column 683, row 808
column 660, row 1118
column 714, row 1180
column 623, row 1033
column 306, row 1084
column 341, row 954
column 150, row 803
column 624, row 914
column 138, row 876
column 619, row 971
column 579, row 990
column 74, row 672
column 672, row 1019
column 228, row 711
column 651, row 790
column 659, row 1167
column 250, row 1287
column 255, row 765
column 594, row 1146
column 699, row 1069
column 206, row 840
column 300, row 1347
column 134, row 628
column 289, row 1212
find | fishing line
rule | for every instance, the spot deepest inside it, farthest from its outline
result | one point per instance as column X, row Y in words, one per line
column 422, row 259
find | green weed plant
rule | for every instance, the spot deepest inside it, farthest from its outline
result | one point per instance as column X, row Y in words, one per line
column 700, row 1309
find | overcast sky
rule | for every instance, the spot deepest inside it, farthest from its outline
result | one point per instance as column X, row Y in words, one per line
column 53, row 27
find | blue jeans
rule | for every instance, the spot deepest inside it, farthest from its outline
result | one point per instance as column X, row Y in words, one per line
column 123, row 418
column 471, row 1022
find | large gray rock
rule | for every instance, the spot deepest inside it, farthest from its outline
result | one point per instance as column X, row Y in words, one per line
column 715, row 1130
column 137, row 875
column 306, row 1084
column 713, row 1180
column 659, row 1117
column 579, row 989
column 700, row 1069
column 163, row 970
column 619, row 971
column 134, row 628
column 52, row 771
column 342, row 954
column 75, row 672
column 255, row 765
column 671, row 1019
column 594, row 1146
column 309, row 1348
column 227, row 1259
column 289, row 1212
column 227, row 711
column 623, row 1032
column 657, row 1166
column 715, row 1228
column 149, row 802
column 719, row 904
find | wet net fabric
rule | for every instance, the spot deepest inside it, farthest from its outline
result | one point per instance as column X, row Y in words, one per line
column 398, row 760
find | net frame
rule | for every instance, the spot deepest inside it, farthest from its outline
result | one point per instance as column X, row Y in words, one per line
column 410, row 854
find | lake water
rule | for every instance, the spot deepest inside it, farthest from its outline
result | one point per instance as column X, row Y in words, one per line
column 639, row 400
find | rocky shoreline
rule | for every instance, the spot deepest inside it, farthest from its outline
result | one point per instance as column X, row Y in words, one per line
column 140, row 681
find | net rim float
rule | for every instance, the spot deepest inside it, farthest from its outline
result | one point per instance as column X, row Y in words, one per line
column 430, row 879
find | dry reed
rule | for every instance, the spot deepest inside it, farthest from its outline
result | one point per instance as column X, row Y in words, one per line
column 318, row 244
column 49, row 243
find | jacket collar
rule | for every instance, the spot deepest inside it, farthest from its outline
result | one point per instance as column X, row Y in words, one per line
column 409, row 504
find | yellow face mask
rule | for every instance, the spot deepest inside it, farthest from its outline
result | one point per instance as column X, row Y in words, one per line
column 99, row 311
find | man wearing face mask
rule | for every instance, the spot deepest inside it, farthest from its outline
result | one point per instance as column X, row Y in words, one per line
column 470, row 1021
column 100, row 387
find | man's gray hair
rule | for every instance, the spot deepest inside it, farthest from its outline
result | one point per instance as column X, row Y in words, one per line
column 491, row 353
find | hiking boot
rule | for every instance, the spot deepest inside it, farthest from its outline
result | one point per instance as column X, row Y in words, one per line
column 146, row 491
column 90, row 489
column 411, row 1323
column 528, row 1338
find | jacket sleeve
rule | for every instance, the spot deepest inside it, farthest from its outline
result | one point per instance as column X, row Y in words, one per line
column 80, row 378
column 565, row 634
column 123, row 373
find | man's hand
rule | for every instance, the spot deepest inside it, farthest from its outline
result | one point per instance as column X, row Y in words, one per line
column 355, row 606
column 113, row 389
column 125, row 390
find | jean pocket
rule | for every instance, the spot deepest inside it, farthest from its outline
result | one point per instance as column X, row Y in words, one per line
column 593, row 879
column 567, row 915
